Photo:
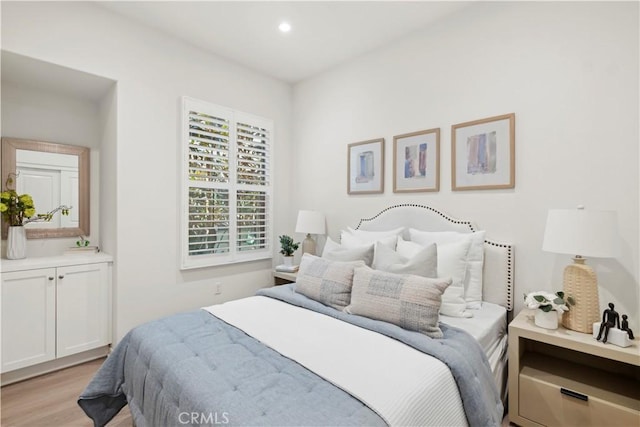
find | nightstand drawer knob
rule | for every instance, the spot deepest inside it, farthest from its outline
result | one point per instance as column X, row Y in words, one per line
column 574, row 394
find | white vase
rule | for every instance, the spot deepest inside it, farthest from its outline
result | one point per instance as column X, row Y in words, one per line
column 17, row 242
column 547, row 319
column 288, row 261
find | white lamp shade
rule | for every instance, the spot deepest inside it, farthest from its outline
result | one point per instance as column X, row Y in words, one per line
column 582, row 232
column 310, row 222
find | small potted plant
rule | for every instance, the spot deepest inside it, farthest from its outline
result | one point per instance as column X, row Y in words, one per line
column 549, row 307
column 287, row 248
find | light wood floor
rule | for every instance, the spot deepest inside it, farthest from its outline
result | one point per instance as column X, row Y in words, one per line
column 51, row 400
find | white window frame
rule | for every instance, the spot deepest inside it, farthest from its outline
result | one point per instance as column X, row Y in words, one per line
column 189, row 261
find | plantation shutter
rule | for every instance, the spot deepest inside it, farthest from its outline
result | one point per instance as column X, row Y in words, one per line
column 252, row 174
column 227, row 185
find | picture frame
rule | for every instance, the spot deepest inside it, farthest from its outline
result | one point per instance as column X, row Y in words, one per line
column 365, row 167
column 416, row 161
column 483, row 154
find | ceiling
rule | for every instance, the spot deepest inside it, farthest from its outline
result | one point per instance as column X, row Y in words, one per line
column 323, row 34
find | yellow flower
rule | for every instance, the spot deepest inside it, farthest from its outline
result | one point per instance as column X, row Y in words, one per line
column 20, row 210
column 26, row 199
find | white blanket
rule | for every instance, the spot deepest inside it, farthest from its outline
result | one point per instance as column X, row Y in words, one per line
column 404, row 386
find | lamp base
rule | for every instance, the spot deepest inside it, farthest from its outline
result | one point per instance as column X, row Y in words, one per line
column 581, row 283
column 309, row 245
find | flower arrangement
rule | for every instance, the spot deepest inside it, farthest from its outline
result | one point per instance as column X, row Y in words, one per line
column 546, row 301
column 287, row 245
column 19, row 210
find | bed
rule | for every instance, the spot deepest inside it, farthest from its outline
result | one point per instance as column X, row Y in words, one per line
column 347, row 344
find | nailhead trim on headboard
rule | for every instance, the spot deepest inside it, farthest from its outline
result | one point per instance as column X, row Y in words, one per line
column 413, row 205
column 509, row 248
column 509, row 270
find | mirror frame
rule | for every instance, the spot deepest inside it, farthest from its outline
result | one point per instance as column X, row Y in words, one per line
column 9, row 147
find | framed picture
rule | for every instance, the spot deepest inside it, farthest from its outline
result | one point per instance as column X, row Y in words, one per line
column 416, row 161
column 483, row 154
column 366, row 167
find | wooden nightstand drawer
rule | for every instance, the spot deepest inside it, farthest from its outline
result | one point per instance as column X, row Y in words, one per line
column 544, row 402
column 556, row 392
column 567, row 378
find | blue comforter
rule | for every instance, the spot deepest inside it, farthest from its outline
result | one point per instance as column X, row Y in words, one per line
column 195, row 369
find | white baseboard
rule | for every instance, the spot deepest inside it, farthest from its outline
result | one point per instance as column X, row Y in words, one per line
column 53, row 365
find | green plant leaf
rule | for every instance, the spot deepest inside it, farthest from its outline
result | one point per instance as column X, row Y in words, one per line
column 546, row 308
column 560, row 295
column 571, row 300
column 539, row 298
column 558, row 301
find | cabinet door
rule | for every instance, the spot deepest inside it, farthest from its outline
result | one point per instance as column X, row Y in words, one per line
column 83, row 301
column 28, row 318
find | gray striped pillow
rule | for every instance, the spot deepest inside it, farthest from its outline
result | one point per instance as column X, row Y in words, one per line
column 409, row 301
column 326, row 281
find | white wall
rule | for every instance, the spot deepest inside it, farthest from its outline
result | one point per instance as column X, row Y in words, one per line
column 152, row 73
column 569, row 71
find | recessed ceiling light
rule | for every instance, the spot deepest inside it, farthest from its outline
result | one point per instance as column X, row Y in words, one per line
column 285, row 27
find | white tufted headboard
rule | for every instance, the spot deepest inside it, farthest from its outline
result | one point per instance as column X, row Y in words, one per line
column 498, row 270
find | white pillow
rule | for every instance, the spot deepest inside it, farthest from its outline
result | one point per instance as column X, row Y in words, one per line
column 452, row 262
column 454, row 305
column 336, row 252
column 423, row 263
column 375, row 235
column 353, row 241
column 475, row 258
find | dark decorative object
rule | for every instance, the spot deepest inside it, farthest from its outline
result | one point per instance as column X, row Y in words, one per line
column 610, row 319
column 625, row 326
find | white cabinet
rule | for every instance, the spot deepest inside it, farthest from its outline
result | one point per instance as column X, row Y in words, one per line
column 55, row 311
column 82, row 308
column 28, row 318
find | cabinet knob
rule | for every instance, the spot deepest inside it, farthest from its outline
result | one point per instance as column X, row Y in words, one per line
column 61, row 276
column 50, row 277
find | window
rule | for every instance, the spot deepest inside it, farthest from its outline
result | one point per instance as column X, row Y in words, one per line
column 226, row 200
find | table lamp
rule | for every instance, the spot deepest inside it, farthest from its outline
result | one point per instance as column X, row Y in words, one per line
column 581, row 232
column 310, row 222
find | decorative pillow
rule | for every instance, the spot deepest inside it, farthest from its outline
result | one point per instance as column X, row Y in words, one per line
column 336, row 252
column 423, row 262
column 409, row 301
column 353, row 241
column 452, row 262
column 372, row 236
column 475, row 258
column 325, row 281
column 453, row 303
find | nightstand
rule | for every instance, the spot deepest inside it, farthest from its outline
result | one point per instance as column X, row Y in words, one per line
column 282, row 278
column 564, row 377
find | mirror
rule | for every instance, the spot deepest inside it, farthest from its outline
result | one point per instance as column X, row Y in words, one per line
column 53, row 174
